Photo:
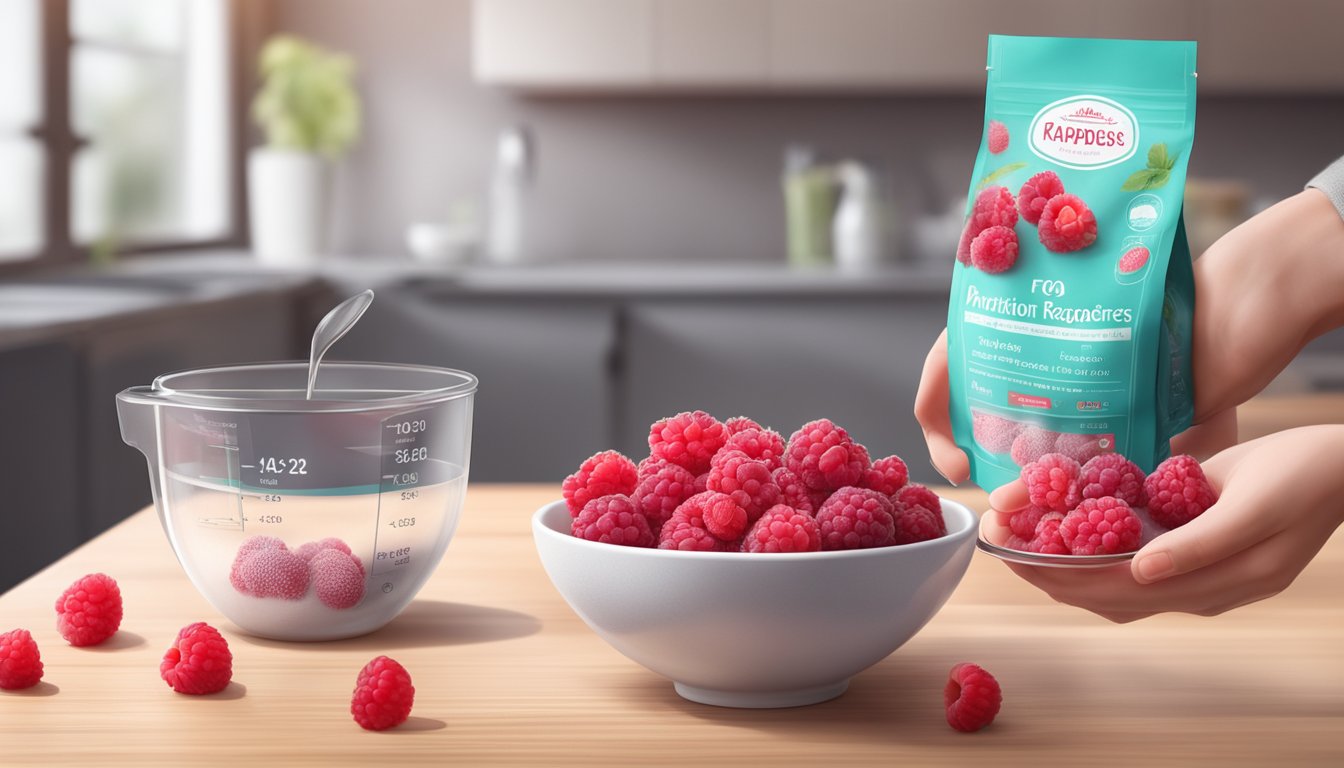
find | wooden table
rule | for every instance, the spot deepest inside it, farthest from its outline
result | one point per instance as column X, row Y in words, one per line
column 505, row 673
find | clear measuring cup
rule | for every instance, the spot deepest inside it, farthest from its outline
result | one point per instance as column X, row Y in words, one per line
column 306, row 519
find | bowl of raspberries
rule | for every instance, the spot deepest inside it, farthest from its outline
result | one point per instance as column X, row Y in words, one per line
column 750, row 569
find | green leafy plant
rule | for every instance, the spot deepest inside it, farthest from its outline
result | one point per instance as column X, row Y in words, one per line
column 1155, row 175
column 306, row 101
column 999, row 173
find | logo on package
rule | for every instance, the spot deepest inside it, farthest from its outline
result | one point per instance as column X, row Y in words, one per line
column 1084, row 132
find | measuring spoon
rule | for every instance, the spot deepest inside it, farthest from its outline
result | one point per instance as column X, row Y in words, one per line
column 335, row 325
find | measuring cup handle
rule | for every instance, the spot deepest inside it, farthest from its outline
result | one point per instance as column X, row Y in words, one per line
column 135, row 412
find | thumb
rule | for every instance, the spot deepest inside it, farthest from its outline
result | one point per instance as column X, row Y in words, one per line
column 931, row 411
column 1233, row 524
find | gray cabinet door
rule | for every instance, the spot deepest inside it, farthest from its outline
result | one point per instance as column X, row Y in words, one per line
column 783, row 362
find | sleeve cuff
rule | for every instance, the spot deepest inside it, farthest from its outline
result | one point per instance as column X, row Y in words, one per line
column 1331, row 182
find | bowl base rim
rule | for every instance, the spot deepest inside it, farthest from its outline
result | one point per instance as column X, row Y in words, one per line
column 800, row 697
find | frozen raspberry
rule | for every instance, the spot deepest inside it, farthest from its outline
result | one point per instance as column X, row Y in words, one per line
column 255, row 543
column 1178, row 492
column 660, row 493
column 686, row 529
column 916, row 495
column 916, row 523
column 309, row 551
column 1080, row 448
column 792, row 492
column 1111, row 474
column 383, row 695
column 783, row 529
column 887, row 475
column 601, row 474
column 994, row 433
column 1031, row 444
column 994, row 250
column 856, row 518
column 1047, row 539
column 764, row 445
column 1023, row 522
column 998, row 137
column 269, row 572
column 747, row 481
column 1033, row 196
column 614, row 519
column 198, row 662
column 687, row 439
column 20, row 662
column 1067, row 224
column 825, row 456
column 740, row 423
column 1052, row 482
column 1018, row 543
column 702, row 482
column 1104, row 526
column 89, row 611
column 338, row 579
column 972, row 698
column 1133, row 260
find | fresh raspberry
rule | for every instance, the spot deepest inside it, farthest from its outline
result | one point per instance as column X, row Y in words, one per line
column 602, row 474
column 856, row 518
column 702, row 482
column 740, row 423
column 660, row 493
column 20, row 661
column 1052, row 482
column 383, row 695
column 614, row 519
column 338, row 579
column 887, row 475
column 269, row 571
column 1178, row 492
column 916, row 523
column 792, row 492
column 1104, row 526
column 747, row 481
column 1023, row 522
column 198, row 662
column 825, row 457
column 1018, row 543
column 689, row 439
column 994, row 433
column 1080, row 448
column 998, row 137
column 1133, row 260
column 89, row 611
column 994, row 250
column 1031, row 444
column 309, row 551
column 993, row 207
column 916, row 495
column 1047, row 540
column 1111, row 474
column 972, row 698
column 686, row 529
column 650, row 465
column 783, row 529
column 764, row 445
column 1067, row 224
column 1035, row 193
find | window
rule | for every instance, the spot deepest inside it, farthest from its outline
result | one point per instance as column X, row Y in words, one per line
column 143, row 141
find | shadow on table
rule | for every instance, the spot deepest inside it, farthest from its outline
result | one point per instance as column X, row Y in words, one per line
column 415, row 724
column 121, row 641
column 232, row 692
column 41, row 689
column 427, row 623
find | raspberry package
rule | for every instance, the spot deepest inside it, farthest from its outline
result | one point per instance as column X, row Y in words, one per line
column 1031, row 444
column 998, row 137
column 994, row 433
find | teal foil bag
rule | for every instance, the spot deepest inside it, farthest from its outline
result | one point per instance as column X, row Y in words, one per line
column 1082, row 344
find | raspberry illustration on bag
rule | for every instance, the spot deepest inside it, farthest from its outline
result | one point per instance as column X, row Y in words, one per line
column 1069, row 318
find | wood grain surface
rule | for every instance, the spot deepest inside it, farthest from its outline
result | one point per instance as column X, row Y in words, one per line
column 506, row 674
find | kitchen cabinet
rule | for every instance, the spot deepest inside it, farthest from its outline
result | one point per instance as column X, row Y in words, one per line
column 712, row 43
column 574, row 44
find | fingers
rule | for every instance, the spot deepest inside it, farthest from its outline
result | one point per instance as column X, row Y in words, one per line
column 1208, row 437
column 931, row 410
column 1010, row 497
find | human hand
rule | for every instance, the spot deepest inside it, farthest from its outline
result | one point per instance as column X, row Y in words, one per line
column 1280, row 499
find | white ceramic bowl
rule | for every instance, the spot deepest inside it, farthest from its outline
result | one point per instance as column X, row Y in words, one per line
column 754, row 630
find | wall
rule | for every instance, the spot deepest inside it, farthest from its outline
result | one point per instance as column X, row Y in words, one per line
column 680, row 177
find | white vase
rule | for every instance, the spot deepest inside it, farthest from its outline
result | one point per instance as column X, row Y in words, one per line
column 288, row 201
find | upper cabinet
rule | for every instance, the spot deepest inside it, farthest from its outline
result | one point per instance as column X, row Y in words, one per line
column 1246, row 46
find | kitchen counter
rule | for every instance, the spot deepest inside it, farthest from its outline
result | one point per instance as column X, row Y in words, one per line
column 506, row 673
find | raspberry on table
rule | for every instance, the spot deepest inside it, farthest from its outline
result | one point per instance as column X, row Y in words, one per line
column 686, row 529
column 89, row 611
column 825, row 457
column 198, row 662
column 269, row 571
column 740, row 423
column 20, row 661
column 660, row 493
column 309, row 551
column 383, row 695
column 689, row 439
column 1047, row 539
column 1104, row 526
column 856, row 518
column 916, row 523
column 1031, row 444
column 746, row 481
column 1133, row 260
column 783, row 529
column 1111, row 474
column 1052, row 482
column 887, row 475
column 614, row 519
column 972, row 698
column 994, row 250
column 998, row 137
column 917, row 495
column 1067, row 224
column 764, row 445
column 1080, row 448
column 1035, row 193
column 602, row 474
column 792, row 492
column 994, row 433
column 1178, row 492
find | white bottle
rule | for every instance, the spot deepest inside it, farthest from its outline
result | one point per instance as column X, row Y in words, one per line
column 508, row 189
column 859, row 230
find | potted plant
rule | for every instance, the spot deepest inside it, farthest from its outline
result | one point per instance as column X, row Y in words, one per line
column 309, row 112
